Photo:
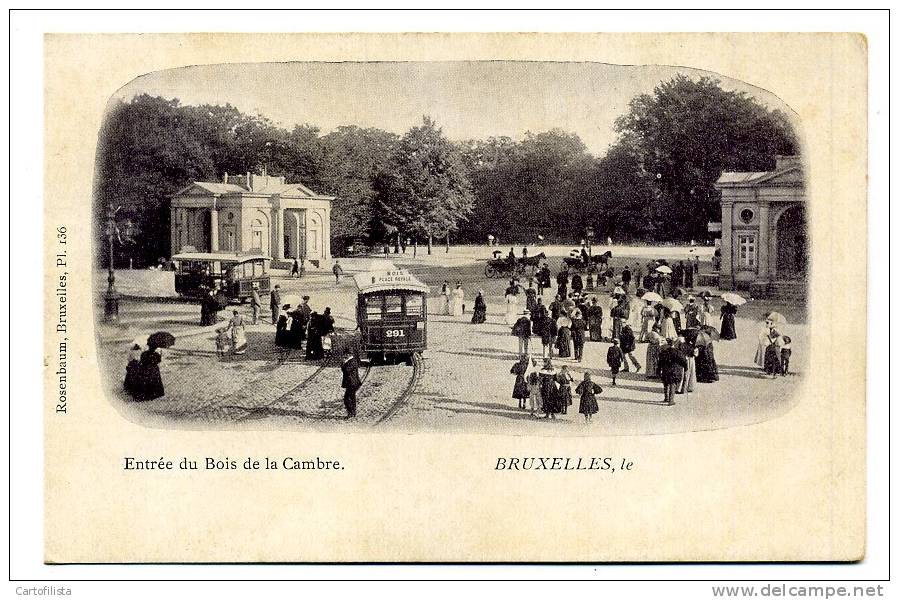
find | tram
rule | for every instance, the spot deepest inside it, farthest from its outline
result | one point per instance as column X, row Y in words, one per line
column 392, row 313
column 234, row 274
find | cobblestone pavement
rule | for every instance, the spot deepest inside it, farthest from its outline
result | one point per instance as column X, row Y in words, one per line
column 463, row 384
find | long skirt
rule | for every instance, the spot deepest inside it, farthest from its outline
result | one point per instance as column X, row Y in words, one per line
column 760, row 351
column 706, row 367
column 441, row 304
column 772, row 360
column 563, row 342
column 646, row 327
column 652, row 360
column 448, row 306
column 511, row 310
column 479, row 315
column 689, row 379
column 564, row 397
column 520, row 391
column 668, row 329
column 595, row 324
column 239, row 339
column 588, row 405
column 550, row 395
column 728, row 327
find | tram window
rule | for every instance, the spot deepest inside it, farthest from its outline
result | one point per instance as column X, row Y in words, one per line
column 373, row 308
column 413, row 306
column 393, row 305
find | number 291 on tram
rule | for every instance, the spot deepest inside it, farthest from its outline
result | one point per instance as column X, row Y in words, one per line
column 392, row 314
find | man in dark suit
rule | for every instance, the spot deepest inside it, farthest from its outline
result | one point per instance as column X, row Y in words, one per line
column 671, row 369
column 350, row 382
column 275, row 303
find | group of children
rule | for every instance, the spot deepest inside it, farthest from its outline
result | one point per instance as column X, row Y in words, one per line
column 549, row 391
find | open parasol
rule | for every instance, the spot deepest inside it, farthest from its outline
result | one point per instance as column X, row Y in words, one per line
column 776, row 317
column 652, row 297
column 161, row 339
column 672, row 305
column 663, row 269
column 735, row 299
column 618, row 291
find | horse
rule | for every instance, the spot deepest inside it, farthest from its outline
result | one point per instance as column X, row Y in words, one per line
column 601, row 259
column 531, row 262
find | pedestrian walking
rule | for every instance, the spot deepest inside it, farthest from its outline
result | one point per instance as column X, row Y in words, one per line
column 689, row 351
column 628, row 346
column 728, row 321
column 548, row 390
column 350, row 381
column 275, row 303
column 295, row 269
column 594, row 320
column 671, row 366
column 520, row 390
column 533, row 379
column 614, row 358
column 522, row 330
column 564, row 379
column 238, row 330
column 479, row 314
column 587, row 391
column 548, row 336
column 338, row 271
column 691, row 312
column 457, row 299
column 563, row 336
column 772, row 355
column 652, row 353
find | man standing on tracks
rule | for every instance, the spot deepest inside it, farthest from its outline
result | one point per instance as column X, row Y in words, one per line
column 350, row 382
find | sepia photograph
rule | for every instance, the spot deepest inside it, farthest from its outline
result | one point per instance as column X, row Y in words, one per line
column 551, row 248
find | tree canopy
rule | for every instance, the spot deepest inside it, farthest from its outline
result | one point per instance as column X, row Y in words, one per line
column 655, row 183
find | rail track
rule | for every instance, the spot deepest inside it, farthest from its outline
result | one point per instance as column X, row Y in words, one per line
column 396, row 405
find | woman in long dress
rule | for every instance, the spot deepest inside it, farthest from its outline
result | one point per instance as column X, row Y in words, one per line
column 132, row 369
column 764, row 340
column 238, row 334
column 587, row 391
column 706, row 366
column 688, row 381
column 443, row 299
column 447, row 303
column 149, row 382
column 594, row 321
column 511, row 309
column 520, row 390
column 669, row 331
column 647, row 320
column 655, row 340
column 480, row 309
column 564, row 379
column 728, row 322
column 772, row 354
column 705, row 312
column 563, row 337
column 548, row 390
column 457, row 299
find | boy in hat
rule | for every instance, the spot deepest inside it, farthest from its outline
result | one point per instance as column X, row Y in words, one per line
column 522, row 330
column 785, row 351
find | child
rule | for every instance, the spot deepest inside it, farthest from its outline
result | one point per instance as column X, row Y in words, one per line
column 772, row 354
column 785, row 352
column 587, row 390
column 614, row 357
column 536, row 396
column 222, row 342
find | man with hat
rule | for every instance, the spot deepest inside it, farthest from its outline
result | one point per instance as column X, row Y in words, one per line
column 351, row 381
column 671, row 369
column 522, row 330
column 275, row 303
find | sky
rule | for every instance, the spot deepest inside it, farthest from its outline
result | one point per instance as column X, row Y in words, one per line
column 475, row 99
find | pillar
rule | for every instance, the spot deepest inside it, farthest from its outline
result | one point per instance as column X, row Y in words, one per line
column 763, row 254
column 175, row 241
column 213, row 229
column 278, row 219
column 726, row 273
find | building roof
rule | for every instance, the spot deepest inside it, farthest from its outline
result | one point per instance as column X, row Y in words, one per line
column 258, row 185
column 741, row 176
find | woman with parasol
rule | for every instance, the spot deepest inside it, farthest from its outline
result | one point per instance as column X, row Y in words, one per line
column 728, row 315
column 149, row 380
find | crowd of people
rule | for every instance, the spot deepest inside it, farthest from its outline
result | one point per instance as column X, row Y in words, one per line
column 652, row 307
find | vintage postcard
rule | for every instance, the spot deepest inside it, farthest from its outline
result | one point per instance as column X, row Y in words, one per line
column 457, row 297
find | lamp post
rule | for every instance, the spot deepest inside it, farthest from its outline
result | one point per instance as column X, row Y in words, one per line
column 589, row 236
column 114, row 231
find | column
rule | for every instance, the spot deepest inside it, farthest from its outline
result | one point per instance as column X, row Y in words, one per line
column 278, row 218
column 175, row 242
column 213, row 229
column 763, row 254
column 726, row 273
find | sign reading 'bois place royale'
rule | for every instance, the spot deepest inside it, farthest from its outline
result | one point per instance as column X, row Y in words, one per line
column 392, row 277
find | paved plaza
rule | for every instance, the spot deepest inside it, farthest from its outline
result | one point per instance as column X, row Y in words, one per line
column 463, row 382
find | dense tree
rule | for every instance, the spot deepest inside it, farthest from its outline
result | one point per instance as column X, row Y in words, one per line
column 685, row 134
column 425, row 191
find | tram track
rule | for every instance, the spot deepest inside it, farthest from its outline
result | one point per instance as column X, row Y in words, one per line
column 402, row 400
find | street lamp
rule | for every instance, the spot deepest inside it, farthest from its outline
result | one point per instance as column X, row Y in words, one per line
column 123, row 232
column 589, row 233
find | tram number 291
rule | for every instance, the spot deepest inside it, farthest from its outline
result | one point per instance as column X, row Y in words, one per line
column 394, row 333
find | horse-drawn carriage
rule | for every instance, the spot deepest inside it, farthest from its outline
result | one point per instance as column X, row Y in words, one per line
column 506, row 267
column 575, row 261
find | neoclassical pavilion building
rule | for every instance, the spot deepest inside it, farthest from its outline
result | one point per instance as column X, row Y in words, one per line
column 253, row 212
column 763, row 230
